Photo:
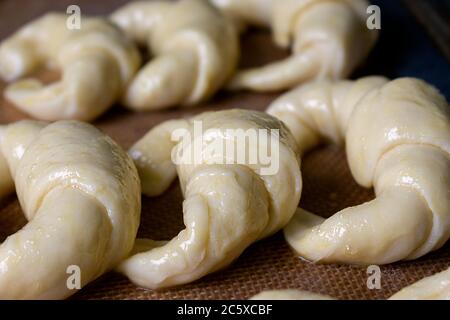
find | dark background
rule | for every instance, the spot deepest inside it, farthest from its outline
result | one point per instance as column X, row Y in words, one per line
column 405, row 48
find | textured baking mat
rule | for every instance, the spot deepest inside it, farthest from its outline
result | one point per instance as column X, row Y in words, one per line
column 268, row 264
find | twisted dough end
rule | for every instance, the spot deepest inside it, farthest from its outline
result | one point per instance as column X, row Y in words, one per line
column 195, row 52
column 435, row 287
column 397, row 138
column 329, row 39
column 81, row 194
column 97, row 62
column 216, row 231
column 153, row 157
column 32, row 46
column 228, row 205
column 139, row 18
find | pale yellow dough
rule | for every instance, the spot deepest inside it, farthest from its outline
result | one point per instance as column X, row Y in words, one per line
column 81, row 195
column 435, row 287
column 227, row 207
column 329, row 39
column 194, row 48
column 96, row 62
column 289, row 294
column 397, row 138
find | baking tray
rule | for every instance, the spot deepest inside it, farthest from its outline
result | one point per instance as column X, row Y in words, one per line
column 404, row 49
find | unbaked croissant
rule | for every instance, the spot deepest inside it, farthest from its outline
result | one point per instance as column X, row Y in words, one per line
column 397, row 138
column 435, row 287
column 329, row 39
column 96, row 61
column 227, row 206
column 289, row 294
column 195, row 52
column 81, row 194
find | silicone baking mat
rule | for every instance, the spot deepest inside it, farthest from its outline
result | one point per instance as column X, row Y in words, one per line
column 328, row 184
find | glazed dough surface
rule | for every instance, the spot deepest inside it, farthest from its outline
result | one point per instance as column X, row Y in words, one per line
column 397, row 138
column 194, row 47
column 329, row 39
column 435, row 287
column 227, row 207
column 81, row 195
column 96, row 63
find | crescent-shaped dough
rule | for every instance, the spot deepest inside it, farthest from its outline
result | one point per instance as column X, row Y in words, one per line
column 96, row 61
column 195, row 52
column 289, row 294
column 329, row 39
column 81, row 195
column 435, row 287
column 397, row 138
column 227, row 207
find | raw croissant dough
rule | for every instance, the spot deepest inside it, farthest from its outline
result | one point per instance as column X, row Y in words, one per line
column 289, row 294
column 397, row 138
column 329, row 39
column 195, row 49
column 436, row 287
column 81, row 194
column 96, row 61
column 227, row 206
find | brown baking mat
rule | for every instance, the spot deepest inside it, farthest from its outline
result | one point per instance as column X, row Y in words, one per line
column 434, row 15
column 268, row 264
